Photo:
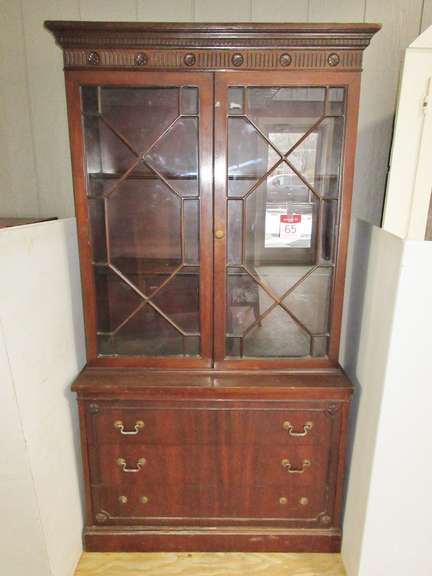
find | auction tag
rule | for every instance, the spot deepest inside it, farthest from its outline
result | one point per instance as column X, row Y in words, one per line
column 296, row 228
column 289, row 227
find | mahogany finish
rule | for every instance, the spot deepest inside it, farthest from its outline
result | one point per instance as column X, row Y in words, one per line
column 213, row 410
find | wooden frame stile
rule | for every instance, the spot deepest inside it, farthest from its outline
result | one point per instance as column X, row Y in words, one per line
column 74, row 80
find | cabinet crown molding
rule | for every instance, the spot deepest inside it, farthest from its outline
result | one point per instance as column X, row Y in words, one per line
column 117, row 42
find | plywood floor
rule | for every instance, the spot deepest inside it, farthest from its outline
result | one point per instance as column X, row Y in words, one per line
column 206, row 564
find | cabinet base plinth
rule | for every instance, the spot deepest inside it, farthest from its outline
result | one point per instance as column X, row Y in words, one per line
column 211, row 540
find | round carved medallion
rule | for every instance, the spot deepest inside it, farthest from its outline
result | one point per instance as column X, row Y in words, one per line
column 333, row 59
column 141, row 59
column 93, row 58
column 285, row 59
column 189, row 59
column 237, row 60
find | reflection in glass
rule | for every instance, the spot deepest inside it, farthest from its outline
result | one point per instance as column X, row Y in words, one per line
column 175, row 156
column 319, row 345
column 232, row 346
column 144, row 227
column 247, row 156
column 189, row 100
column 318, row 157
column 234, row 235
column 235, row 100
column 142, row 165
column 96, row 214
column 179, row 299
column 116, row 300
column 246, row 302
column 336, row 101
column 122, row 107
column 278, row 336
column 310, row 300
column 284, row 162
column 292, row 110
column 191, row 231
column 146, row 333
column 281, row 224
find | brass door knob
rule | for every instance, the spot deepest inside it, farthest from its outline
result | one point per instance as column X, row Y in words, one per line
column 219, row 234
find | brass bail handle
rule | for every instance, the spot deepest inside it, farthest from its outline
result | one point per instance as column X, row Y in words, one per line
column 123, row 465
column 288, row 466
column 290, row 428
column 139, row 425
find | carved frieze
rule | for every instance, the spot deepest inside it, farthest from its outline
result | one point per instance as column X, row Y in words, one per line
column 213, row 59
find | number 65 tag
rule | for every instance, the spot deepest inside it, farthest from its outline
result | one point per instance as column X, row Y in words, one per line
column 290, row 227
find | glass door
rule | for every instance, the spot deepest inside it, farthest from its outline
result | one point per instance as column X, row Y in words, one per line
column 278, row 169
column 146, row 198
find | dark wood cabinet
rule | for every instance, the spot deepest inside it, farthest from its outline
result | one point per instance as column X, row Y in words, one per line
column 213, row 169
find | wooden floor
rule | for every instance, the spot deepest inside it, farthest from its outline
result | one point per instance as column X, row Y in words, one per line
column 206, row 564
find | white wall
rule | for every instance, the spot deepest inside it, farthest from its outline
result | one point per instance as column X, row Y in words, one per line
column 41, row 352
column 35, row 176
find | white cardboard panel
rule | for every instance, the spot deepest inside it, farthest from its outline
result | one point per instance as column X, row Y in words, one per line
column 367, row 370
column 401, row 472
column 40, row 307
column 23, row 549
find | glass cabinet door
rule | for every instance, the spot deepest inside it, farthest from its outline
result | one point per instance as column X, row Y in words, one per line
column 279, row 202
column 144, row 150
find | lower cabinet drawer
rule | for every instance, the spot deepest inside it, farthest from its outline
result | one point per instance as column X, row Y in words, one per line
column 243, row 465
column 120, row 424
column 142, row 504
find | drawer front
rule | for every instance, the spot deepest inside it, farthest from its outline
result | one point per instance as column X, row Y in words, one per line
column 226, row 465
column 143, row 504
column 167, row 426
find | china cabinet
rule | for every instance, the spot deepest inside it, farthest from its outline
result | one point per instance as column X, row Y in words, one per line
column 212, row 169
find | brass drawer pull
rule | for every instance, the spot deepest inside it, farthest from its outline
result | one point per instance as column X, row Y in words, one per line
column 144, row 499
column 287, row 464
column 306, row 428
column 122, row 463
column 138, row 426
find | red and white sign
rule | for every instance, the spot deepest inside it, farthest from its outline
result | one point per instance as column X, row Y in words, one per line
column 290, row 227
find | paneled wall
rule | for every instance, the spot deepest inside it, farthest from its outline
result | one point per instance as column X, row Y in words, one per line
column 35, row 173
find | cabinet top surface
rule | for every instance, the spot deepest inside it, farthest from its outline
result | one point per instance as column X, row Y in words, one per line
column 348, row 35
column 106, row 381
